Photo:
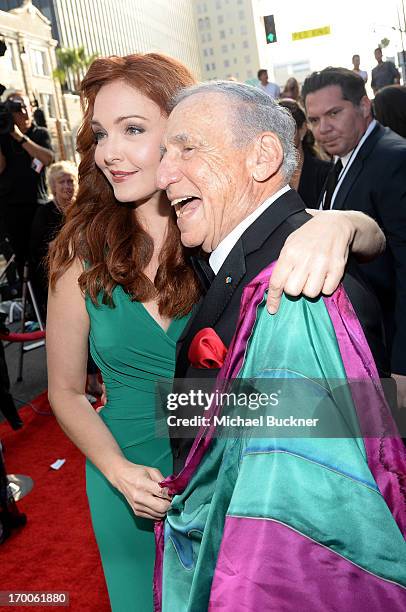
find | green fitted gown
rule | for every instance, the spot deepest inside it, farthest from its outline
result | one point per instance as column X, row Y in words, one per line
column 132, row 352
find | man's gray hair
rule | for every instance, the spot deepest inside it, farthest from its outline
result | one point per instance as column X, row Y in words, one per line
column 254, row 112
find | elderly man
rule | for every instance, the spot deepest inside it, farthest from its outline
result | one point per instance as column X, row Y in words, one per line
column 265, row 522
column 240, row 216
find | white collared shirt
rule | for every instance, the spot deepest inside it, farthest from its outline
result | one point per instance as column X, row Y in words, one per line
column 348, row 160
column 271, row 89
column 221, row 252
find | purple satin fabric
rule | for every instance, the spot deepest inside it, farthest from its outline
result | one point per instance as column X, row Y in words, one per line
column 288, row 572
column 158, row 565
column 386, row 454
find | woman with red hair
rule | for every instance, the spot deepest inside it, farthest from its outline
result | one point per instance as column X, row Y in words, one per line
column 120, row 276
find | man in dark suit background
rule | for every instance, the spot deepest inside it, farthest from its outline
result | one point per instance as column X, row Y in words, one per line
column 230, row 189
column 369, row 176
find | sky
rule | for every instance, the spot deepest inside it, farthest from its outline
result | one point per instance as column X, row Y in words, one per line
column 357, row 26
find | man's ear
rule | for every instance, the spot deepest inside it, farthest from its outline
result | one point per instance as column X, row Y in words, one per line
column 268, row 156
column 365, row 106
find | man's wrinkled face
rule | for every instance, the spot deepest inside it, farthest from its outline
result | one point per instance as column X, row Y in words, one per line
column 205, row 175
column 337, row 124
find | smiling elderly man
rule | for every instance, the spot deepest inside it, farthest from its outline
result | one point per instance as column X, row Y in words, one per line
column 227, row 175
column 270, row 522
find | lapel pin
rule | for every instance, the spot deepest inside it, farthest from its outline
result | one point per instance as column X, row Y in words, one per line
column 229, row 280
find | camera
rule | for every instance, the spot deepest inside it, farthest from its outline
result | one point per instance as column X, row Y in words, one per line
column 7, row 109
column 6, row 115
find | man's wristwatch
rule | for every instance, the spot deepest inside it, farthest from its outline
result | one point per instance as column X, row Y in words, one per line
column 23, row 140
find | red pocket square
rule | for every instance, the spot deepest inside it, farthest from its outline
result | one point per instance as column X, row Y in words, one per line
column 207, row 350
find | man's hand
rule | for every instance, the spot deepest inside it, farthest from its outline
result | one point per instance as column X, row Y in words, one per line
column 103, row 398
column 139, row 485
column 16, row 134
column 401, row 390
column 313, row 258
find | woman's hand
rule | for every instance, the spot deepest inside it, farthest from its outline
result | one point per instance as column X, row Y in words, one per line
column 103, row 398
column 139, row 485
column 314, row 257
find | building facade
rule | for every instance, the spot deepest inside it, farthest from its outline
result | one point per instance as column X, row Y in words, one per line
column 227, row 39
column 120, row 27
column 28, row 65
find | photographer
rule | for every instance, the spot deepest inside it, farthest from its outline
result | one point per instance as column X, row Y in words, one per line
column 25, row 151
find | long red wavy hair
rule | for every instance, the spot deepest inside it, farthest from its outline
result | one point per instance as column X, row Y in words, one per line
column 105, row 234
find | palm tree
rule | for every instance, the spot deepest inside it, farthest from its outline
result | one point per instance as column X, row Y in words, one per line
column 72, row 64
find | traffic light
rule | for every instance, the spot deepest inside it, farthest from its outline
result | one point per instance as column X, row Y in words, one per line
column 270, row 30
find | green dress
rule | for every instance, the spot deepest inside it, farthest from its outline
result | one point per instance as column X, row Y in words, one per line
column 132, row 352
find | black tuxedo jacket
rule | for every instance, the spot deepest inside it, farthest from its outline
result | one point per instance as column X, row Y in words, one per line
column 376, row 185
column 261, row 244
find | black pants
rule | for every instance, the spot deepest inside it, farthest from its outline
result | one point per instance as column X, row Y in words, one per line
column 10, row 516
column 7, row 406
column 17, row 224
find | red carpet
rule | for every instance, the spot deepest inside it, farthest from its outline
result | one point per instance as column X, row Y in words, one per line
column 56, row 550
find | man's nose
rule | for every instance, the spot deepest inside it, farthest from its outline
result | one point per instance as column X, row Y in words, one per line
column 324, row 125
column 168, row 173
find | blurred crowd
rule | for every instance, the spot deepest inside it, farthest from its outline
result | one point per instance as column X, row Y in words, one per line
column 388, row 108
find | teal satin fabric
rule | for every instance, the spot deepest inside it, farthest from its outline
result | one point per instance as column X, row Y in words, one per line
column 320, row 487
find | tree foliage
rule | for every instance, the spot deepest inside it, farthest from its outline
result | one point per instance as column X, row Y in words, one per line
column 71, row 67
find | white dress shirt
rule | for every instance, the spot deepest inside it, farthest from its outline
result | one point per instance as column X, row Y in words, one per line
column 363, row 74
column 271, row 89
column 221, row 252
column 347, row 160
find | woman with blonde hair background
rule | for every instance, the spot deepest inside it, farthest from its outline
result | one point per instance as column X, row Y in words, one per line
column 62, row 179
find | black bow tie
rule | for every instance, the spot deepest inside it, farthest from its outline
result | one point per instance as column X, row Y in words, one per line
column 203, row 271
